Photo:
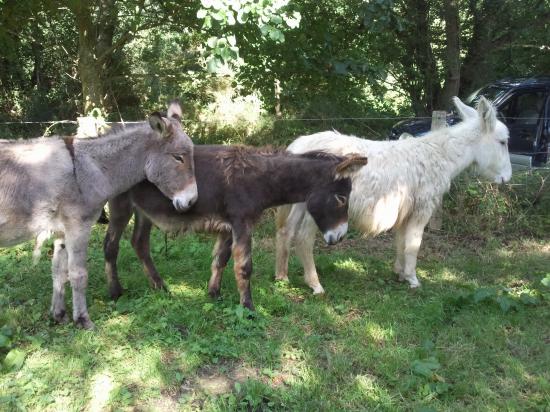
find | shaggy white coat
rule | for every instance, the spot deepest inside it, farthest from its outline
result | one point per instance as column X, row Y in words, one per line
column 402, row 184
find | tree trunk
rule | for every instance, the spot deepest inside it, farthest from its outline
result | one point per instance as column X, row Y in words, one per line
column 95, row 41
column 475, row 65
column 90, row 77
column 418, row 64
column 452, row 55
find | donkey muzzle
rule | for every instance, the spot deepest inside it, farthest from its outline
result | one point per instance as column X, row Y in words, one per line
column 336, row 234
column 186, row 198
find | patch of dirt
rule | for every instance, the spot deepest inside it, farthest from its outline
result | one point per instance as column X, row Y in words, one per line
column 219, row 379
column 162, row 404
column 167, row 357
column 214, row 384
column 296, row 298
column 353, row 314
column 214, row 380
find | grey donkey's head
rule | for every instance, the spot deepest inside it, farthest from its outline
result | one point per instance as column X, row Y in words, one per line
column 169, row 164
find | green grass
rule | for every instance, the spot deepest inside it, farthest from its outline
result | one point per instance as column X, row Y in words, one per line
column 369, row 344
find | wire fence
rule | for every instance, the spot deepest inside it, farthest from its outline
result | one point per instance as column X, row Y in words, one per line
column 294, row 119
column 27, row 129
column 469, row 199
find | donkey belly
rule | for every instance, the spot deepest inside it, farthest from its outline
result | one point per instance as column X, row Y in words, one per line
column 374, row 215
column 182, row 223
column 11, row 235
column 14, row 222
column 23, row 224
column 169, row 224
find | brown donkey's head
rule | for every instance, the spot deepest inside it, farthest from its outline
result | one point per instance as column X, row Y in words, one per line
column 328, row 203
column 170, row 165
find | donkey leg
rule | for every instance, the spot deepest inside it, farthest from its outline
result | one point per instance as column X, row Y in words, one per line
column 289, row 219
column 120, row 210
column 60, row 276
column 221, row 254
column 77, row 245
column 413, row 239
column 140, row 243
column 399, row 263
column 305, row 239
column 242, row 248
column 283, row 239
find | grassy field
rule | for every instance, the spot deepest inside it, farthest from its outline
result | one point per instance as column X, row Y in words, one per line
column 476, row 336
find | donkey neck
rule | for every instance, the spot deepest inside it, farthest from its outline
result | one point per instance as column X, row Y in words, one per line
column 114, row 162
column 454, row 147
column 291, row 179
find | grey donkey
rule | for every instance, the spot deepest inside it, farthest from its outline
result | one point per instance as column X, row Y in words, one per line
column 58, row 186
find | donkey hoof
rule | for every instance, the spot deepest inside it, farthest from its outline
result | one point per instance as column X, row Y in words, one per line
column 116, row 293
column 414, row 285
column 249, row 305
column 318, row 290
column 61, row 317
column 157, row 284
column 214, row 293
column 84, row 323
column 281, row 278
column 164, row 288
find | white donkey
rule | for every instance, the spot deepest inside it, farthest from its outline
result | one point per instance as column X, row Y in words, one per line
column 403, row 183
column 60, row 186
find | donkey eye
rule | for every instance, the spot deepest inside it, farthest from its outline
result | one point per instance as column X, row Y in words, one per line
column 179, row 158
column 341, row 200
column 503, row 143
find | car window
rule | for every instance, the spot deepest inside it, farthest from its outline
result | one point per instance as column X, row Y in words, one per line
column 523, row 108
column 490, row 92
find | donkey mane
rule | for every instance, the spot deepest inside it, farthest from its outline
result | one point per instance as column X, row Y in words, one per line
column 114, row 133
column 110, row 134
column 238, row 158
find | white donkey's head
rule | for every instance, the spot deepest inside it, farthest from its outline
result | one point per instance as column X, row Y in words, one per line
column 491, row 147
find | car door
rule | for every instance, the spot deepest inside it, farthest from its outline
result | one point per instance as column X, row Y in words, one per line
column 543, row 143
column 522, row 114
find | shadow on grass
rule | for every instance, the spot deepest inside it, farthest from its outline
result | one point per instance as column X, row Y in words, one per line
column 352, row 349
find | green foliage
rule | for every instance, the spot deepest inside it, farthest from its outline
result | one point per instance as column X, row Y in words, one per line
column 14, row 359
column 517, row 208
column 37, row 76
column 501, row 296
column 332, row 59
column 271, row 18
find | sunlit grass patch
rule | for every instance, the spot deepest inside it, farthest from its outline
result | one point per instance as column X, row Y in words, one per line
column 378, row 334
column 360, row 346
column 350, row 265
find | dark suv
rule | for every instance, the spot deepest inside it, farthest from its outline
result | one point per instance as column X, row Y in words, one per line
column 523, row 105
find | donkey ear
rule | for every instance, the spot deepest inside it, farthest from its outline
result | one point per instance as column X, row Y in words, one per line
column 350, row 165
column 174, row 110
column 159, row 124
column 487, row 115
column 465, row 111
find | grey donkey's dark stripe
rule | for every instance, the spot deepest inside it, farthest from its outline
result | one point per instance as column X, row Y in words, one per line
column 70, row 147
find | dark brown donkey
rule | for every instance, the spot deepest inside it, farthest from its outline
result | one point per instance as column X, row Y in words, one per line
column 235, row 185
